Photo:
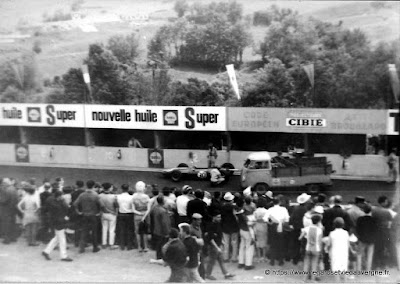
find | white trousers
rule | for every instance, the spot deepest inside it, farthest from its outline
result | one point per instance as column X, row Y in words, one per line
column 246, row 248
column 60, row 240
column 108, row 222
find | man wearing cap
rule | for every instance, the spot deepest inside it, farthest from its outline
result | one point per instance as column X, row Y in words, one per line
column 181, row 204
column 230, row 227
column 109, row 207
column 356, row 209
column 296, row 221
column 197, row 232
column 193, row 249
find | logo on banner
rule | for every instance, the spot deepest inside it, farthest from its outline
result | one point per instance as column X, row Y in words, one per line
column 34, row 114
column 156, row 158
column 22, row 153
column 170, row 117
column 305, row 119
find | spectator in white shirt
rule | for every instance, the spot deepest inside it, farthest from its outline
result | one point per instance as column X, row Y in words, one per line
column 276, row 217
column 181, row 204
column 125, row 218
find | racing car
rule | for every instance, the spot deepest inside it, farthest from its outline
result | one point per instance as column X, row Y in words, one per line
column 184, row 171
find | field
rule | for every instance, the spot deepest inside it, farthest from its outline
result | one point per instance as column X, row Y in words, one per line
column 65, row 44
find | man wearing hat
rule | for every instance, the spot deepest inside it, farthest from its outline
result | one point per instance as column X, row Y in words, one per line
column 356, row 210
column 296, row 221
column 197, row 232
column 193, row 248
column 230, row 227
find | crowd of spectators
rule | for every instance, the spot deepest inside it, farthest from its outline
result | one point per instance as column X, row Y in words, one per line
column 193, row 230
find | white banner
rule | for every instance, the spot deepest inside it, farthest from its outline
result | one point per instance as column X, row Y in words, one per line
column 232, row 78
column 51, row 115
column 394, row 79
column 393, row 122
column 156, row 117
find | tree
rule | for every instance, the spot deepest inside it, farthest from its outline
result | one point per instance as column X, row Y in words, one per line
column 291, row 41
column 181, row 7
column 75, row 89
column 12, row 95
column 196, row 93
column 124, row 48
column 274, row 87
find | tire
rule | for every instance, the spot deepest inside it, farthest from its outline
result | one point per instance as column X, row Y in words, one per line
column 183, row 165
column 176, row 175
column 227, row 166
column 261, row 187
column 313, row 189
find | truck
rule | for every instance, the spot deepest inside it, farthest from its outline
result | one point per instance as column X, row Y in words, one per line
column 262, row 172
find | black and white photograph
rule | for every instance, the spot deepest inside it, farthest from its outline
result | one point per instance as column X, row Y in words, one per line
column 210, row 141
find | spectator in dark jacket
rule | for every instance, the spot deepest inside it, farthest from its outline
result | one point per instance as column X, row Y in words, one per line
column 175, row 254
column 296, row 221
column 230, row 228
column 197, row 205
column 161, row 225
column 332, row 213
column 193, row 251
column 382, row 243
column 88, row 206
column 8, row 210
column 58, row 211
column 366, row 230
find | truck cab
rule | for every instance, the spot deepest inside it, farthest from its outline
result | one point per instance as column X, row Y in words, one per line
column 261, row 172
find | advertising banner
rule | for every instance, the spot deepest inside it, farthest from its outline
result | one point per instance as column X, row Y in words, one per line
column 156, row 158
column 21, row 153
column 393, row 122
column 307, row 120
column 156, row 117
column 44, row 115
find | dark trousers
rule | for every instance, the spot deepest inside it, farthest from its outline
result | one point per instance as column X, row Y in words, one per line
column 182, row 219
column 90, row 224
column 126, row 230
column 382, row 249
column 277, row 244
column 8, row 228
column 294, row 246
column 159, row 242
column 213, row 257
column 178, row 274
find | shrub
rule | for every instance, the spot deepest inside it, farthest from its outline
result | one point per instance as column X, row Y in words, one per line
column 76, row 5
column 58, row 16
column 37, row 47
column 262, row 18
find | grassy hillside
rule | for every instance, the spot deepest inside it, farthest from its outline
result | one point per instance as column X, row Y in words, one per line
column 65, row 44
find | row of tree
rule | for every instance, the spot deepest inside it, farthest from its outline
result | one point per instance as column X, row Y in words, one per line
column 349, row 71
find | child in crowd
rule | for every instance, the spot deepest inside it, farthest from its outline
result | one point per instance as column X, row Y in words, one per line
column 313, row 234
